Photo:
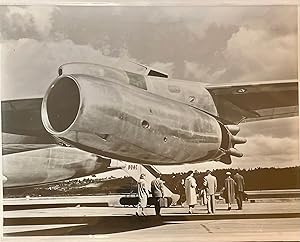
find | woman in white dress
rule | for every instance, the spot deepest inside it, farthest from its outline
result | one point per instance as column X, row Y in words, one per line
column 190, row 191
column 142, row 195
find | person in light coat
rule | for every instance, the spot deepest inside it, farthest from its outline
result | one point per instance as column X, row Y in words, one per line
column 229, row 190
column 210, row 182
column 143, row 195
column 190, row 191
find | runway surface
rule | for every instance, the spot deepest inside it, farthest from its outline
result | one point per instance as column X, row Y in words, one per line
column 266, row 221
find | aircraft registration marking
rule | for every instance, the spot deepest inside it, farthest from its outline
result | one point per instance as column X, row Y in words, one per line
column 132, row 167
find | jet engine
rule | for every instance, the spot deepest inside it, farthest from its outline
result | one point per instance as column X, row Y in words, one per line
column 120, row 121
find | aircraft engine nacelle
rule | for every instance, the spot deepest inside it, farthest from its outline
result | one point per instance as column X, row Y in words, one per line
column 123, row 122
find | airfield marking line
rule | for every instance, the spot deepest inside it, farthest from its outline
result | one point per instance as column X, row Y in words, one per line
column 206, row 228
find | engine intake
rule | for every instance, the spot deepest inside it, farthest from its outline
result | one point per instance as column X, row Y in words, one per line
column 61, row 105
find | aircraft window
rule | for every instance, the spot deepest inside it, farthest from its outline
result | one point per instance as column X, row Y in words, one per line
column 156, row 73
column 137, row 80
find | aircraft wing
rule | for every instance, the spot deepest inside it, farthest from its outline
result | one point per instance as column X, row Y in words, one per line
column 252, row 102
column 22, row 128
column 20, row 143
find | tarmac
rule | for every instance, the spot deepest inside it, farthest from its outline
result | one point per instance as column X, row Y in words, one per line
column 269, row 220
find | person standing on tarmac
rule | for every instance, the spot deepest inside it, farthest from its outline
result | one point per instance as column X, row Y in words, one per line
column 229, row 190
column 202, row 192
column 190, row 191
column 240, row 188
column 210, row 184
column 157, row 193
column 142, row 195
column 180, row 189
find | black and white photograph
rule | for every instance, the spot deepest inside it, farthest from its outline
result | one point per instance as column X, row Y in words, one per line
column 150, row 121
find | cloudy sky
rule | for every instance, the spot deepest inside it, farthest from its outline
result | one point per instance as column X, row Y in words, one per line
column 205, row 44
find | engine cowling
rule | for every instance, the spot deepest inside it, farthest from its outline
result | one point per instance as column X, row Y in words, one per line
column 126, row 123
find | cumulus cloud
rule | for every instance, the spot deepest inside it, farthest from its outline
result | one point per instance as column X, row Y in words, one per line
column 201, row 73
column 256, row 55
column 277, row 128
column 198, row 19
column 267, row 151
column 218, row 44
column 260, row 145
column 29, row 20
column 250, row 55
column 194, row 70
column 30, row 65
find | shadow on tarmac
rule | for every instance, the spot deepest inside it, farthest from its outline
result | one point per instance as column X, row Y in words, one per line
column 91, row 225
column 88, row 226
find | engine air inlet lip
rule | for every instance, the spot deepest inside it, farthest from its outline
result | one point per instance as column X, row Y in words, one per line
column 60, row 109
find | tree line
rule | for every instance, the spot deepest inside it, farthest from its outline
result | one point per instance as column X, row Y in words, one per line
column 255, row 179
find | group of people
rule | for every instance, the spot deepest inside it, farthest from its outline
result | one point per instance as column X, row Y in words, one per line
column 233, row 190
column 207, row 191
column 143, row 194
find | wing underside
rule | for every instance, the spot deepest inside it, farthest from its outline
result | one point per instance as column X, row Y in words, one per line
column 22, row 128
column 252, row 102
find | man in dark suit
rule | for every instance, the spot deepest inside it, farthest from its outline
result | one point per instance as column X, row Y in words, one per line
column 240, row 188
column 157, row 193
